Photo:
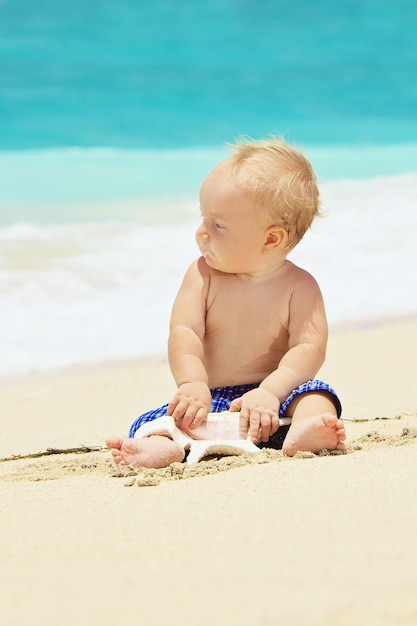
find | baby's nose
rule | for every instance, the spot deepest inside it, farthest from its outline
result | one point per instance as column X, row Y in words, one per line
column 202, row 234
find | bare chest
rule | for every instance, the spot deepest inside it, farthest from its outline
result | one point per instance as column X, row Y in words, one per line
column 247, row 312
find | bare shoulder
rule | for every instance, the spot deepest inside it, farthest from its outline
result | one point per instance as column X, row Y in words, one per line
column 305, row 298
column 198, row 272
column 195, row 285
column 300, row 278
column 190, row 302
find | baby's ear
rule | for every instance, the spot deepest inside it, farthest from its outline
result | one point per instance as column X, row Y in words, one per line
column 276, row 237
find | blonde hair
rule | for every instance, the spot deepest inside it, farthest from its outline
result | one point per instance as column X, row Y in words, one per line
column 281, row 181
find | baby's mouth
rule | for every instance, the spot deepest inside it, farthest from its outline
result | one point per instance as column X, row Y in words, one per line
column 204, row 250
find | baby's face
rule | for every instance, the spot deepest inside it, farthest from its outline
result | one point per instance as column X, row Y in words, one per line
column 232, row 234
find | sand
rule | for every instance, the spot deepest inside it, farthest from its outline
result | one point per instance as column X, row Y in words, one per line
column 248, row 541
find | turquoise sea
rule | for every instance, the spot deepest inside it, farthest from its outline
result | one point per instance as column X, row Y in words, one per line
column 111, row 114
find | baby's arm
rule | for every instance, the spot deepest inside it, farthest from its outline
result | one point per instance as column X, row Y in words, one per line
column 192, row 400
column 307, row 342
column 307, row 339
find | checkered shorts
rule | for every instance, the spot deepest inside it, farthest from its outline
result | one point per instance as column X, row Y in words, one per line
column 222, row 397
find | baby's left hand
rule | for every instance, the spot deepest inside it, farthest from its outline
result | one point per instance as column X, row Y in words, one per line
column 258, row 414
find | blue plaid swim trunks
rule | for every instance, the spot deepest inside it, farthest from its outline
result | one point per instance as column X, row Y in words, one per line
column 222, row 397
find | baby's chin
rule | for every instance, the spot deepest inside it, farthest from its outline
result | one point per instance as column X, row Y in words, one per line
column 214, row 265
column 209, row 259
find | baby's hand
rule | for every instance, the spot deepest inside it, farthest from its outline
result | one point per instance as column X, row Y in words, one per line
column 258, row 414
column 190, row 405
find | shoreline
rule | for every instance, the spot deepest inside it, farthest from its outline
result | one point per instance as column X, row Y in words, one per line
column 92, row 366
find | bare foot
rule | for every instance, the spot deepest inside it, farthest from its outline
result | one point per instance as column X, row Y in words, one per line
column 323, row 432
column 155, row 451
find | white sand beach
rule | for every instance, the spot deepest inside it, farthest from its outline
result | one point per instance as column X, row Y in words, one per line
column 248, row 541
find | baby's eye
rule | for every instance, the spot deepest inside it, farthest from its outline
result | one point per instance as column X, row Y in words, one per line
column 218, row 225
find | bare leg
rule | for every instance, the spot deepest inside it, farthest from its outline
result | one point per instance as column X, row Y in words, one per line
column 315, row 425
column 155, row 451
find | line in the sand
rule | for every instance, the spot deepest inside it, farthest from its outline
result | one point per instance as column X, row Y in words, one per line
column 50, row 451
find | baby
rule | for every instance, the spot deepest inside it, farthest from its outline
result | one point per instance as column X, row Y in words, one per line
column 248, row 329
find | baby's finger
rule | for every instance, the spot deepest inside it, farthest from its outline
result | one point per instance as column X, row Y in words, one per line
column 265, row 427
column 199, row 418
column 236, row 405
column 180, row 410
column 254, row 424
column 188, row 418
column 243, row 424
column 171, row 408
column 274, row 424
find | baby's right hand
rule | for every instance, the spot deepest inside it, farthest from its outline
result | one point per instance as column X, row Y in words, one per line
column 190, row 404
